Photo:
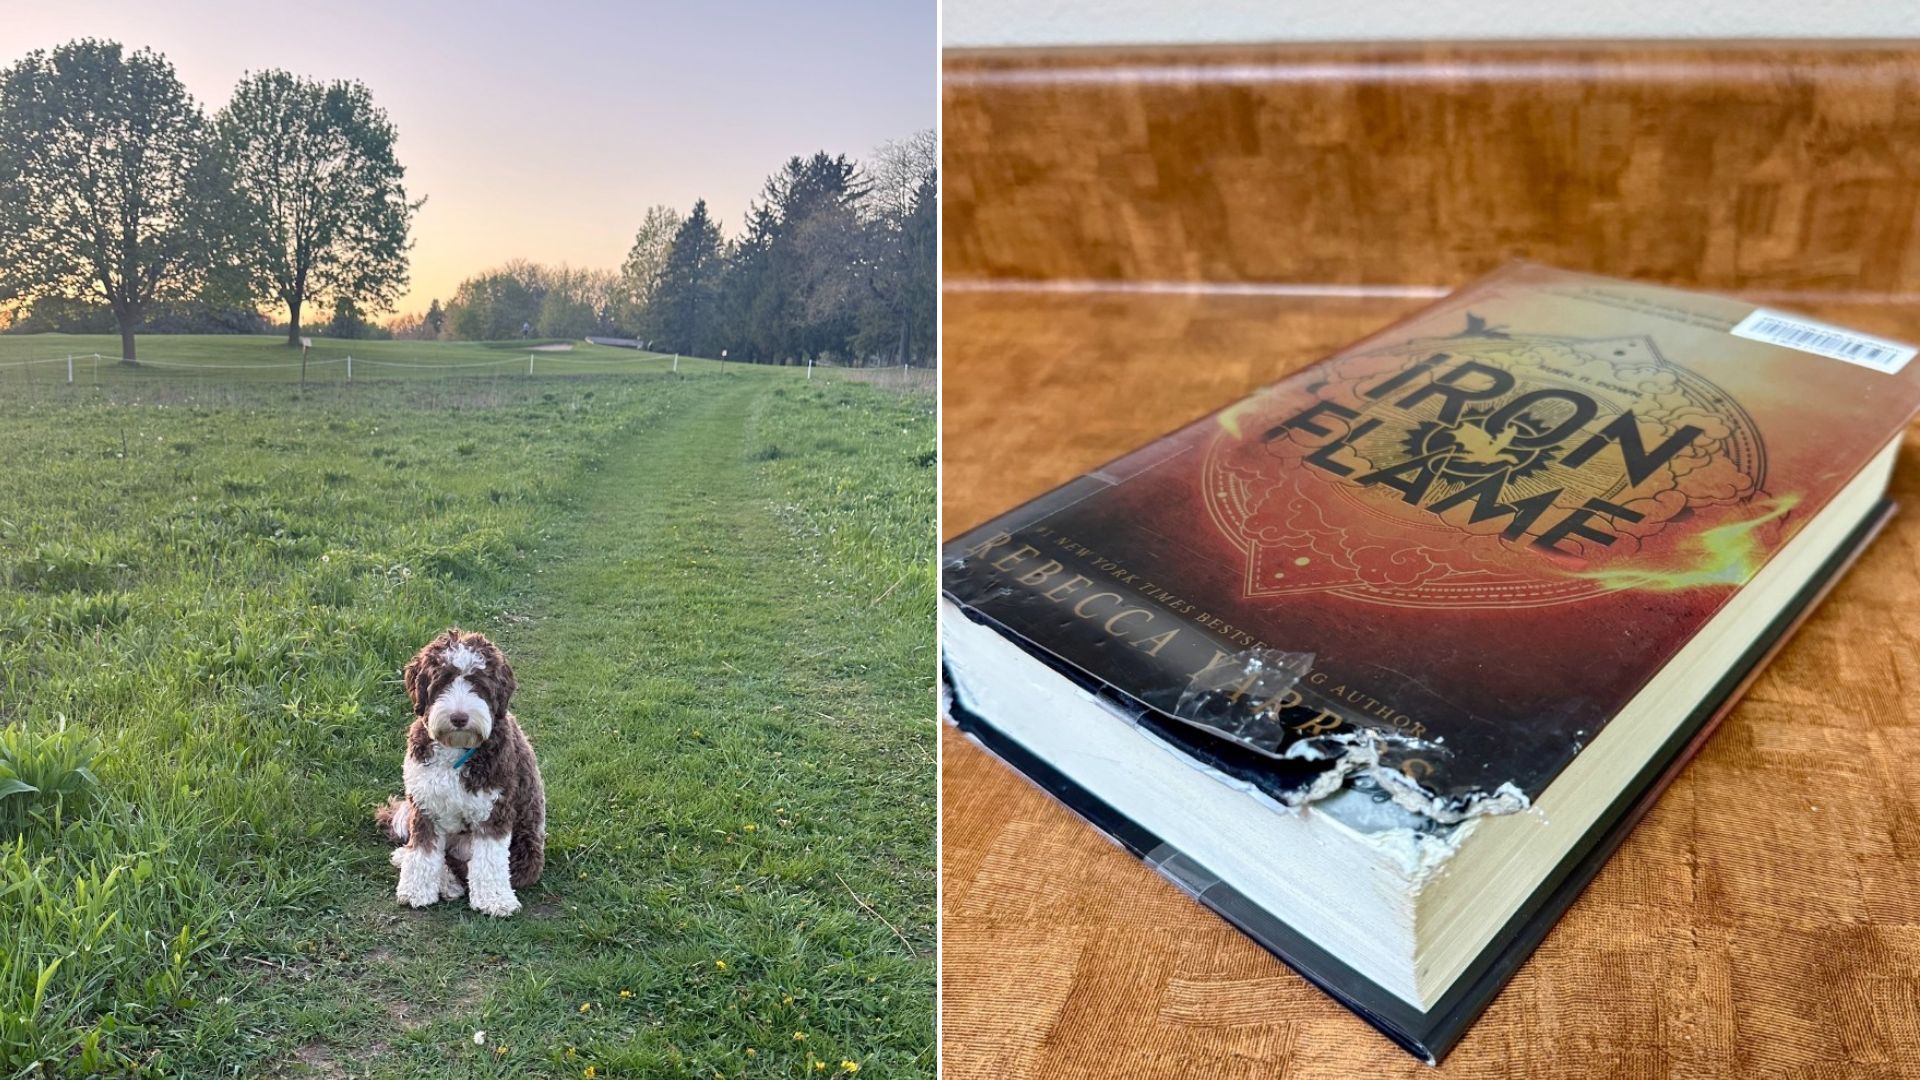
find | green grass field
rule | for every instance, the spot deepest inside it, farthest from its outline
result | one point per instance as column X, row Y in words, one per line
column 717, row 591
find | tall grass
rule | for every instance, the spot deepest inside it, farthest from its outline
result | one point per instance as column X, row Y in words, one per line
column 201, row 611
column 857, row 470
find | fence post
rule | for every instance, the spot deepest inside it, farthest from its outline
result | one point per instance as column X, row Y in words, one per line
column 69, row 369
column 676, row 363
column 529, row 363
column 349, row 367
column 809, row 369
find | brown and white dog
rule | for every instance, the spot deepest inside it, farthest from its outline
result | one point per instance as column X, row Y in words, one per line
column 475, row 809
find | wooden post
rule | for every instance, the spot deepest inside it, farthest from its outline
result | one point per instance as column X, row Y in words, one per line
column 529, row 363
column 69, row 369
column 676, row 363
column 349, row 367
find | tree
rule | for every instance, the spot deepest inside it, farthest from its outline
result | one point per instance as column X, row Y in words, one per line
column 898, row 169
column 751, row 333
column 576, row 303
column 684, row 307
column 795, row 292
column 105, row 182
column 408, row 326
column 897, row 261
column 318, row 191
column 641, row 272
column 346, row 322
column 918, row 299
column 435, row 318
column 493, row 305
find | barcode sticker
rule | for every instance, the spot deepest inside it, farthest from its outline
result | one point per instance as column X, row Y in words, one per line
column 1823, row 340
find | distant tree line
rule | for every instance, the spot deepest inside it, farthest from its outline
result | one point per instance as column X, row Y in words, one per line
column 118, row 192
column 836, row 261
column 124, row 207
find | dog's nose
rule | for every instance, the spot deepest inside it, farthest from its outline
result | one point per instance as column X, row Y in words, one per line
column 458, row 719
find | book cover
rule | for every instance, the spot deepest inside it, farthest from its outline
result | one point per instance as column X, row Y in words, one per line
column 1440, row 560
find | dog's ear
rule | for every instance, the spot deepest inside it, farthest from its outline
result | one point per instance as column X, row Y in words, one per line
column 496, row 682
column 418, row 674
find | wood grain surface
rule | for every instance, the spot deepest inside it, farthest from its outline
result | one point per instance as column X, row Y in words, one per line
column 1764, row 920
column 1789, row 167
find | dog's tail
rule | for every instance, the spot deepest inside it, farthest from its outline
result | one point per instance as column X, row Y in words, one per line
column 392, row 818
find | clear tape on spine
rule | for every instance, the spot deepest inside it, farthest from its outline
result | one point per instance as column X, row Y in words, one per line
column 1189, row 876
column 1240, row 697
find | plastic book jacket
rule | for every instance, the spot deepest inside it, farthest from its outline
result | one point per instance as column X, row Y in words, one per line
column 1449, row 553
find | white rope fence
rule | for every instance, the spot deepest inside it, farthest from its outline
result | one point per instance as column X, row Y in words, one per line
column 561, row 357
column 349, row 361
column 225, row 367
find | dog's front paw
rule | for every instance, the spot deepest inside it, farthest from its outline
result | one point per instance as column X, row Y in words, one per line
column 497, row 904
column 414, row 895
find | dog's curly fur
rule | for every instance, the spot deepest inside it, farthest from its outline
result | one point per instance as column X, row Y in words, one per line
column 480, row 828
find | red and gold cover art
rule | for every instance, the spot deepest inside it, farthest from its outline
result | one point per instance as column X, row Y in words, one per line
column 1479, row 532
column 1492, row 467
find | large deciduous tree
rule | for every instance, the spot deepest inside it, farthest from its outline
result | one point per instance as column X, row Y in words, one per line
column 104, row 182
column 497, row 304
column 898, row 266
column 319, row 194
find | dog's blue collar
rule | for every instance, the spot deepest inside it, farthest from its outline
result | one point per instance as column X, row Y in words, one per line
column 471, row 750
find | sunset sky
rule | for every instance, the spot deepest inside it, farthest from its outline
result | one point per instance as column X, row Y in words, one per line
column 544, row 131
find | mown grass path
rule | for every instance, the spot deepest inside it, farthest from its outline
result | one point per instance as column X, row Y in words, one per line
column 741, row 803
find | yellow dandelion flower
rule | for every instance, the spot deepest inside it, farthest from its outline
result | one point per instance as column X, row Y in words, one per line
column 799, row 1036
column 788, row 1000
column 720, row 965
column 569, row 1053
column 586, row 1006
column 819, row 1066
column 750, row 826
column 589, row 1072
column 625, row 994
column 750, row 1051
column 850, row 1066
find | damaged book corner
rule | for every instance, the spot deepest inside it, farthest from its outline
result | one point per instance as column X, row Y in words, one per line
column 1382, row 662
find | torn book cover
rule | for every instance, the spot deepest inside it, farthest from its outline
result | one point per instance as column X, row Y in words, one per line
column 1438, row 562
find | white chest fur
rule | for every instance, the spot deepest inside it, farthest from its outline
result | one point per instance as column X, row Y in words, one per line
column 435, row 787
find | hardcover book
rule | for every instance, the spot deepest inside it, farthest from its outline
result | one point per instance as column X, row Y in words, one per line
column 1381, row 662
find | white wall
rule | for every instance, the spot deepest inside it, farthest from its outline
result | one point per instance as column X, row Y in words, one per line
column 1105, row 22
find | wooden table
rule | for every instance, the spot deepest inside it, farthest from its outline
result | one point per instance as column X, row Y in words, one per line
column 1763, row 920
